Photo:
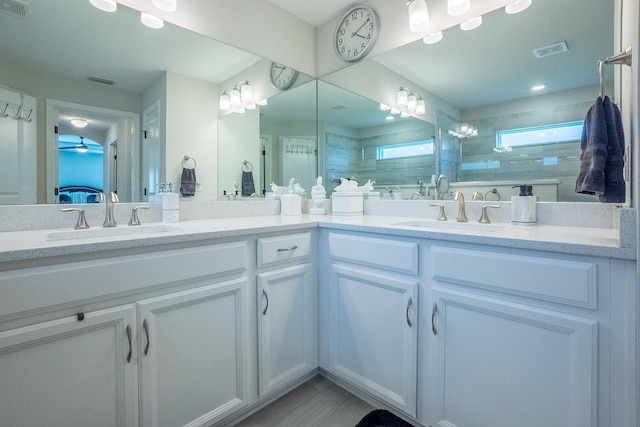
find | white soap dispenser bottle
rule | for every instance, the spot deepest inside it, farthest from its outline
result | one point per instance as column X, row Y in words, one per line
column 523, row 206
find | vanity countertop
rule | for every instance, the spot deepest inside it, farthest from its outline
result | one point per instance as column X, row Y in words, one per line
column 604, row 242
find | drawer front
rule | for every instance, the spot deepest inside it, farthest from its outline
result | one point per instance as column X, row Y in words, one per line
column 43, row 287
column 557, row 280
column 279, row 249
column 387, row 254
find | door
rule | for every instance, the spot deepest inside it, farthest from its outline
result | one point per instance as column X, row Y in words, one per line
column 151, row 151
column 299, row 160
column 71, row 372
column 287, row 326
column 373, row 333
column 193, row 355
column 499, row 364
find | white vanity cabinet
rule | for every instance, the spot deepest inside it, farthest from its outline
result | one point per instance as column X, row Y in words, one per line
column 287, row 310
column 76, row 371
column 369, row 311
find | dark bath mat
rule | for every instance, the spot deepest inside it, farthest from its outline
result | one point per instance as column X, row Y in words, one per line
column 382, row 418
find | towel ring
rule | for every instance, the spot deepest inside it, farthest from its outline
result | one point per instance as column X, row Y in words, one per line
column 246, row 166
column 492, row 195
column 186, row 159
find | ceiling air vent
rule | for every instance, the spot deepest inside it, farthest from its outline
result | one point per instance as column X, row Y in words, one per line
column 99, row 79
column 550, row 50
column 16, row 8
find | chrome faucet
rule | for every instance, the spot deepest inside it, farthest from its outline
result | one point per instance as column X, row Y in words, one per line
column 462, row 216
column 109, row 220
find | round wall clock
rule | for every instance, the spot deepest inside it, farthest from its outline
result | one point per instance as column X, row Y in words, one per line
column 282, row 77
column 356, row 33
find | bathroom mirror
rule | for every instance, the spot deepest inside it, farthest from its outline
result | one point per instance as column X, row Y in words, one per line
column 85, row 61
column 483, row 78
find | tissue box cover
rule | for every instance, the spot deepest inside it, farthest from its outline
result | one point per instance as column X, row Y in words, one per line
column 347, row 203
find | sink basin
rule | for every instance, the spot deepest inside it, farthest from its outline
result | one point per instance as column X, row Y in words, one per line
column 451, row 225
column 109, row 232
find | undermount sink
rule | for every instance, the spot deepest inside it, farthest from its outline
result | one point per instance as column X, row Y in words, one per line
column 452, row 225
column 124, row 230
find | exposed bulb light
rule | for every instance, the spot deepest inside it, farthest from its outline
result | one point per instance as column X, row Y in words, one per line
column 433, row 38
column 105, row 5
column 166, row 5
column 418, row 15
column 79, row 123
column 517, row 6
column 537, row 87
column 239, row 98
column 385, row 107
column 471, row 24
column 412, row 102
column 421, row 107
column 234, row 98
column 401, row 97
column 151, row 21
column 458, row 7
column 225, row 102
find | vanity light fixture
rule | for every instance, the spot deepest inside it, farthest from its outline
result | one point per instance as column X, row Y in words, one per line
column 433, row 38
column 517, row 6
column 458, row 7
column 238, row 98
column 464, row 132
column 105, row 5
column 166, row 5
column 79, row 123
column 408, row 102
column 402, row 97
column 418, row 15
column 151, row 21
column 471, row 24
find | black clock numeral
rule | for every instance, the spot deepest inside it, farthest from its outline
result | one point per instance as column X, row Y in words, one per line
column 354, row 15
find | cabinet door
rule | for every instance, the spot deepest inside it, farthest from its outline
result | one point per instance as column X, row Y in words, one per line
column 287, row 326
column 373, row 333
column 71, row 372
column 193, row 355
column 499, row 364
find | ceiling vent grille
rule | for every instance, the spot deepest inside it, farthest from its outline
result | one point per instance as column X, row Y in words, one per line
column 553, row 49
column 16, row 8
column 100, row 79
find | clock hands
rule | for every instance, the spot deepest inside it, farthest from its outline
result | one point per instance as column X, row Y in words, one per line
column 359, row 28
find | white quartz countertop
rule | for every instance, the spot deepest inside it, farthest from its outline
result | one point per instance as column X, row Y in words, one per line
column 37, row 244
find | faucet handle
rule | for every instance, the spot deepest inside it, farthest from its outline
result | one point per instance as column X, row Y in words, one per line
column 82, row 221
column 484, row 218
column 441, row 214
column 134, row 220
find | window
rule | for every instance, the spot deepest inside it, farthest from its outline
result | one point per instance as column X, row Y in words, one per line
column 538, row 135
column 412, row 149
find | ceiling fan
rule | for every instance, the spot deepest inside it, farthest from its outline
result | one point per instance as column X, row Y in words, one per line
column 80, row 148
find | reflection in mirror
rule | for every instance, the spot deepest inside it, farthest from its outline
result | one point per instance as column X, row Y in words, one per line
column 362, row 142
column 85, row 56
column 483, row 78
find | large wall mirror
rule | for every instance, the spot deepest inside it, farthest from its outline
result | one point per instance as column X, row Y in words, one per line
column 482, row 79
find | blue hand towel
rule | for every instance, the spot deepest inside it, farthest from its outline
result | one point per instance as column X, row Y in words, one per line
column 614, row 185
column 593, row 160
column 248, row 188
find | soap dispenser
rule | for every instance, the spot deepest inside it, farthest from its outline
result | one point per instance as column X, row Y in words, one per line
column 523, row 206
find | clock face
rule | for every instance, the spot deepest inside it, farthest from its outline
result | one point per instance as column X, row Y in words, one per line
column 282, row 77
column 356, row 33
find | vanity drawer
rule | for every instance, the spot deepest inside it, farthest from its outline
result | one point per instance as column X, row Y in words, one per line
column 566, row 281
column 278, row 249
column 388, row 254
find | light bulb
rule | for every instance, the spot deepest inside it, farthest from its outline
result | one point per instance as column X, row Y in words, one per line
column 401, row 99
column 246, row 93
column 79, row 123
column 105, row 5
column 384, row 107
column 517, row 6
column 471, row 24
column 418, row 16
column 412, row 102
column 166, row 5
column 420, row 108
column 433, row 38
column 225, row 102
column 151, row 21
column 458, row 7
column 234, row 98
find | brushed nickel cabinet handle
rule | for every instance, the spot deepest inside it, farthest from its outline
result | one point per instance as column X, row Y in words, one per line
column 145, row 326
column 292, row 248
column 264, row 292
column 409, row 304
column 433, row 319
column 128, row 331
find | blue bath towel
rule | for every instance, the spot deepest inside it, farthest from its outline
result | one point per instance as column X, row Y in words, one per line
column 601, row 161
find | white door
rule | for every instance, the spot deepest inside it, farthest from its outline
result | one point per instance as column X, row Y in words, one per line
column 18, row 148
column 287, row 326
column 499, row 364
column 193, row 355
column 151, row 151
column 373, row 333
column 71, row 372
